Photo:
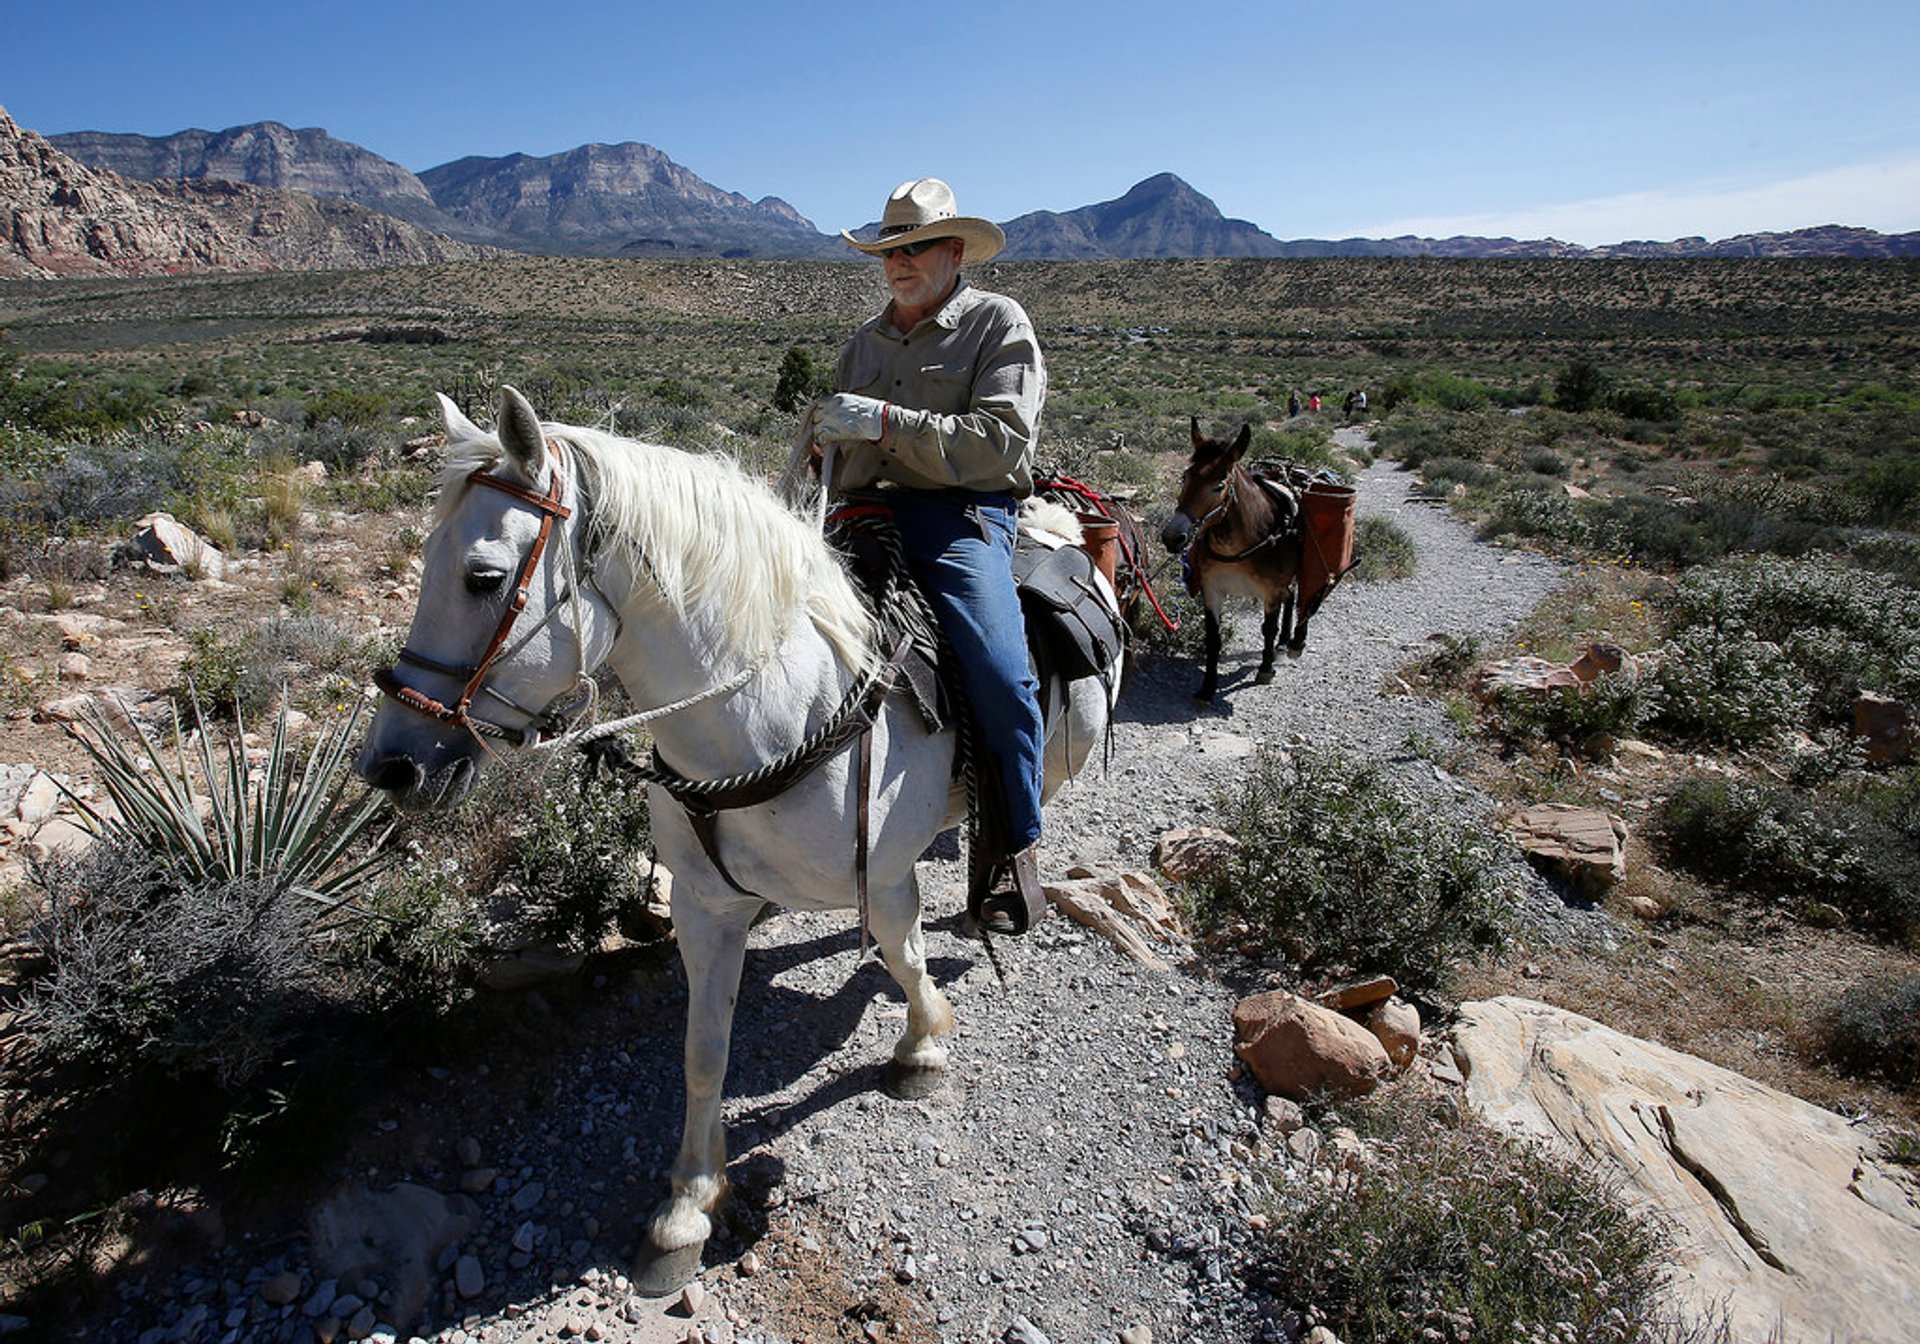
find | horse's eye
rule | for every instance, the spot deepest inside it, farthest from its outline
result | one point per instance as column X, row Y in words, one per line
column 484, row 582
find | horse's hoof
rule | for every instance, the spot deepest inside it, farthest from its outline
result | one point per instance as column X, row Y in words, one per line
column 1204, row 694
column 1263, row 676
column 658, row 1273
column 1295, row 650
column 908, row 1082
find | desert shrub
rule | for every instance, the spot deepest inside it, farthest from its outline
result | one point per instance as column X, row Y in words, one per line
column 1454, row 1231
column 1727, row 688
column 799, row 381
column 1344, row 870
column 1439, row 476
column 1434, row 388
column 349, row 407
column 1873, row 1031
column 1544, row 461
column 1839, row 627
column 155, row 969
column 1382, row 550
column 1579, row 386
column 242, row 672
column 1576, row 717
column 1822, row 858
column 580, row 859
column 1645, row 403
column 189, row 937
column 1536, row 514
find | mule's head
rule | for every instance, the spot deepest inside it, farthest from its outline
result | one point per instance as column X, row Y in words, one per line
column 1203, row 485
column 507, row 622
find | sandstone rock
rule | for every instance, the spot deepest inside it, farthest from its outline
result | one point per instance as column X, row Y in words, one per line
column 1357, row 993
column 1395, row 1023
column 530, row 966
column 1537, row 676
column 1778, row 1208
column 1302, row 1051
column 161, row 539
column 1582, row 844
column 1887, row 726
column 1193, row 852
column 1125, row 908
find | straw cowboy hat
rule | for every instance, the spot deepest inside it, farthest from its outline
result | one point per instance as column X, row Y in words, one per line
column 924, row 209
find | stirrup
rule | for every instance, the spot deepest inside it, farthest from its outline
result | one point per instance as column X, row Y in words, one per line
column 1011, row 912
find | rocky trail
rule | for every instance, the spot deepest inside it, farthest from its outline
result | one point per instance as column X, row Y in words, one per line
column 1091, row 1172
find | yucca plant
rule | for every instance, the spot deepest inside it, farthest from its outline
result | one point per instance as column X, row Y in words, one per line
column 212, row 820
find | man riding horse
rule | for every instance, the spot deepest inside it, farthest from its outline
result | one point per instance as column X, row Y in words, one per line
column 937, row 409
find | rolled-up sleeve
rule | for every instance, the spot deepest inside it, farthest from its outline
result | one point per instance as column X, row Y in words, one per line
column 964, row 390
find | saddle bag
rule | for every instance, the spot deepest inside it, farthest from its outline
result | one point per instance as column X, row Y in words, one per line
column 1065, row 609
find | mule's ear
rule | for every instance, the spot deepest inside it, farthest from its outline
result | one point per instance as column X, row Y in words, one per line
column 1198, row 437
column 519, row 431
column 459, row 428
column 1242, row 440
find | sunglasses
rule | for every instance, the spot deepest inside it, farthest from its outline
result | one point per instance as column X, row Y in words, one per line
column 912, row 249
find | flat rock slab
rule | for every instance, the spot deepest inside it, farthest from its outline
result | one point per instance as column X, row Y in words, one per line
column 1779, row 1212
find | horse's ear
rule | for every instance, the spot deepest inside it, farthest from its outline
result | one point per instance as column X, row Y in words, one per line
column 1198, row 437
column 520, row 433
column 459, row 428
column 1242, row 440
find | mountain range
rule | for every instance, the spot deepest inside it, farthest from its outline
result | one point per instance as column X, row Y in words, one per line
column 627, row 199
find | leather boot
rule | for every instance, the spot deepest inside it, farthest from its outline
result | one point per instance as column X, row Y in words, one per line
column 1019, row 906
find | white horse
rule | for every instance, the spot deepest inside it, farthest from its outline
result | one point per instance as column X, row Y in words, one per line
column 556, row 549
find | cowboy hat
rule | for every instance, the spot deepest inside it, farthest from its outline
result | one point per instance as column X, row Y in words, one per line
column 924, row 209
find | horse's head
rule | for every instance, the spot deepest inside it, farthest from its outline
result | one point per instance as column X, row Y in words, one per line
column 1203, row 485
column 508, row 621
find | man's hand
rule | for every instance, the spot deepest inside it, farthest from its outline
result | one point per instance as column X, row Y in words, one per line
column 846, row 417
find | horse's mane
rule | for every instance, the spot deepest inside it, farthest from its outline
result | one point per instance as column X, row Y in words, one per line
column 707, row 533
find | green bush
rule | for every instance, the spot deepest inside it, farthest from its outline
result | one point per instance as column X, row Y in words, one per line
column 1577, row 717
column 1727, row 688
column 1382, row 550
column 1454, row 1231
column 1538, row 514
column 1345, row 871
column 799, row 380
column 1873, row 1031
column 1433, row 388
column 1820, row 858
column 580, row 858
column 1579, row 386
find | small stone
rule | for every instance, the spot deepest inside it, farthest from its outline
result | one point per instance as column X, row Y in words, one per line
column 282, row 1288
column 693, row 1297
column 749, row 1264
column 469, row 1279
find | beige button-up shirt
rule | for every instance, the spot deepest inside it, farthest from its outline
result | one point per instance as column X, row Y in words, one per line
column 963, row 390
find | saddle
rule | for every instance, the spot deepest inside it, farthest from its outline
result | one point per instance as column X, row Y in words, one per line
column 1073, row 632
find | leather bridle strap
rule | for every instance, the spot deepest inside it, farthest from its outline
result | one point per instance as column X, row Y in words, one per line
column 551, row 510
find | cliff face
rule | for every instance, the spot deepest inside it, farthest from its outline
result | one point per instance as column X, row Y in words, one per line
column 62, row 218
column 617, row 200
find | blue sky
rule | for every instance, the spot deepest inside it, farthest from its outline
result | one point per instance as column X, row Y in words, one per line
column 1591, row 123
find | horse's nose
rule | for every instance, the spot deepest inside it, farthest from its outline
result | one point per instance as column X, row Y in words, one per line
column 1174, row 535
column 398, row 775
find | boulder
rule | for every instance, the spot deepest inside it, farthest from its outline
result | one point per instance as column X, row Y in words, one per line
column 1193, row 852
column 1395, row 1023
column 162, row 540
column 1582, row 844
column 1777, row 1208
column 1537, row 676
column 397, row 1235
column 1357, row 994
column 1302, row 1051
column 1886, row 725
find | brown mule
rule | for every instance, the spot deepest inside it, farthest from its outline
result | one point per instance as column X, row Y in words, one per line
column 1242, row 539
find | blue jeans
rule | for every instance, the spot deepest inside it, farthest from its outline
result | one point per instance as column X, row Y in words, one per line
column 959, row 545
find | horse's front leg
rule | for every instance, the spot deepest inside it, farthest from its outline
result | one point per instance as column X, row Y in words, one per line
column 1210, row 683
column 1269, row 636
column 713, row 943
column 1296, row 630
column 919, row 1062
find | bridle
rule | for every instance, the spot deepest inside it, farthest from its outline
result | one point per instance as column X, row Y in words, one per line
column 460, row 713
column 1229, row 495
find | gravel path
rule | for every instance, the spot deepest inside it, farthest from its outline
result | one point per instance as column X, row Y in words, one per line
column 1083, row 1177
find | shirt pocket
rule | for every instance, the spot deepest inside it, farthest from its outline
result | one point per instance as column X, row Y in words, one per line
column 865, row 375
column 946, row 385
